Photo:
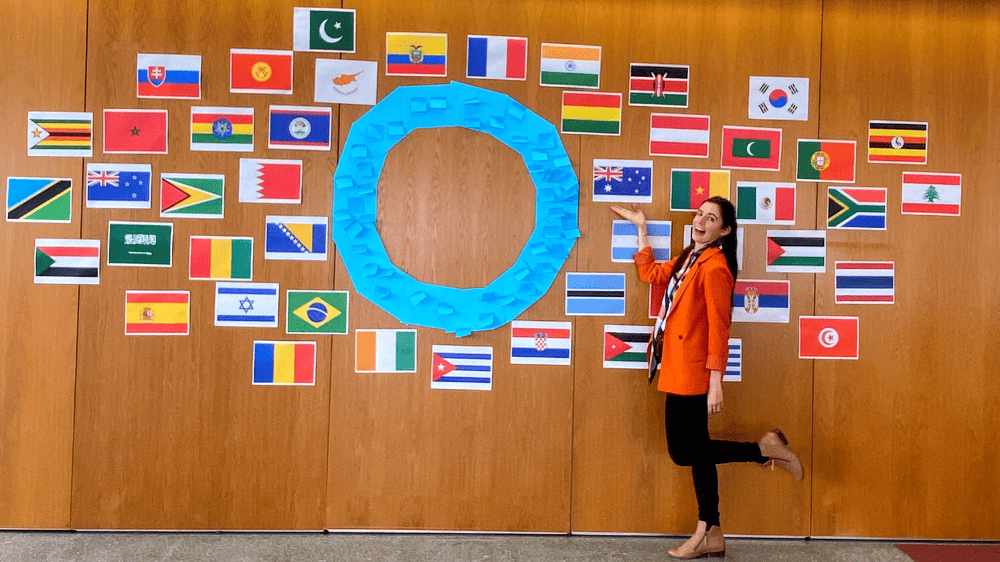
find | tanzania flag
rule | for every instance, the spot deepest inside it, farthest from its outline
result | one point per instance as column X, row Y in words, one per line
column 227, row 129
column 39, row 199
column 751, row 148
column 221, row 258
column 60, row 134
column 625, row 346
column 796, row 251
column 284, row 362
column 571, row 65
column 67, row 261
column 591, row 113
column 157, row 312
column 826, row 160
column 901, row 142
column 316, row 312
column 860, row 208
column 192, row 195
column 690, row 188
column 385, row 351
column 658, row 85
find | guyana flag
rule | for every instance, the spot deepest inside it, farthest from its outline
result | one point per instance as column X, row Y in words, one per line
column 625, row 346
column 192, row 195
column 826, row 160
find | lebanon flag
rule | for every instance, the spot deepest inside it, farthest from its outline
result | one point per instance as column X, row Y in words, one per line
column 828, row 337
column 932, row 194
column 270, row 181
column 135, row 131
column 752, row 148
column 260, row 72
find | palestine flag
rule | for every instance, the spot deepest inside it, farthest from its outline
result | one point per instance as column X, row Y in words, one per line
column 625, row 346
column 658, row 85
column 796, row 251
column 826, row 160
column 898, row 142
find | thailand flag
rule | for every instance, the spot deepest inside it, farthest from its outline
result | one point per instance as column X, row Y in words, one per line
column 168, row 76
column 499, row 58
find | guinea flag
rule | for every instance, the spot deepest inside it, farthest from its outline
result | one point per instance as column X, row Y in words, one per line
column 690, row 188
column 221, row 257
column 826, row 160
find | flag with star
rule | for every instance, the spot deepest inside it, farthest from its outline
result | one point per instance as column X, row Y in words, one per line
column 118, row 186
column 690, row 188
column 623, row 181
column 246, row 304
column 324, row 29
column 60, row 134
column 316, row 312
column 135, row 131
column 462, row 367
column 228, row 129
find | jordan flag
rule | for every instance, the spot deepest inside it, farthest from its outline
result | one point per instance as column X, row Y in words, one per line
column 270, row 181
column 625, row 347
column 828, row 337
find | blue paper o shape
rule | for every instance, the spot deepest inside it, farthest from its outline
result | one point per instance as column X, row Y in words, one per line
column 455, row 310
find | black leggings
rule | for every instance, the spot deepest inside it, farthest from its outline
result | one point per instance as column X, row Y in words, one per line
column 690, row 445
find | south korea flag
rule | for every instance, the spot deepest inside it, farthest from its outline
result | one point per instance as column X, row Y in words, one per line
column 779, row 99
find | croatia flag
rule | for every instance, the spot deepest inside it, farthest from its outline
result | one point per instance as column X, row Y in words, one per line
column 499, row 58
column 168, row 76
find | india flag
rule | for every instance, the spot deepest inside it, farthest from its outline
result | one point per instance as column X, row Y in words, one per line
column 385, row 351
column 571, row 65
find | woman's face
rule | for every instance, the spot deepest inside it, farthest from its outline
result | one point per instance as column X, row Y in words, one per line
column 707, row 225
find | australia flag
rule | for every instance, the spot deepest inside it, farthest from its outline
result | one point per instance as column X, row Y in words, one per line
column 629, row 181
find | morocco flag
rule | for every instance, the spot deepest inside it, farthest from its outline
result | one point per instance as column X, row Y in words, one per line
column 135, row 131
column 826, row 160
column 751, row 148
column 828, row 337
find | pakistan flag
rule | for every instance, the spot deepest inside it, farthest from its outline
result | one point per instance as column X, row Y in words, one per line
column 324, row 29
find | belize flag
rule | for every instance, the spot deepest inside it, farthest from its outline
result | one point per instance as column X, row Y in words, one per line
column 168, row 76
column 299, row 128
column 757, row 300
column 499, row 58
column 462, row 367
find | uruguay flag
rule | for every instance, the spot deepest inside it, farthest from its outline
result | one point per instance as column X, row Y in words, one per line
column 499, row 58
column 168, row 76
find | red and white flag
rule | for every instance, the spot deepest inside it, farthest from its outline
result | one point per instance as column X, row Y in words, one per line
column 828, row 337
column 932, row 194
column 678, row 135
column 270, row 181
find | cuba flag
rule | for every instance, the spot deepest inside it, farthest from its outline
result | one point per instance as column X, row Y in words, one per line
column 168, row 76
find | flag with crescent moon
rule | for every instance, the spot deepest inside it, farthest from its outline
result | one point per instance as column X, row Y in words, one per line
column 752, row 148
column 324, row 29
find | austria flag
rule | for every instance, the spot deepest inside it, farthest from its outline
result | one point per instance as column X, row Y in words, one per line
column 499, row 58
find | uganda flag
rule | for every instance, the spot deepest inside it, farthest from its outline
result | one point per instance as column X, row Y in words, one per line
column 826, row 160
column 625, row 346
column 898, row 142
column 592, row 113
column 316, row 312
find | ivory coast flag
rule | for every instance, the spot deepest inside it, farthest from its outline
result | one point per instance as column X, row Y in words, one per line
column 221, row 258
column 592, row 113
column 690, row 188
column 571, row 65
column 157, row 312
column 385, row 351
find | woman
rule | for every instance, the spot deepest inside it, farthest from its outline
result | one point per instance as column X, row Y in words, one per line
column 693, row 333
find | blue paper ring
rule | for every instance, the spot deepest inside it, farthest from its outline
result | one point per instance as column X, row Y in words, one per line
column 456, row 310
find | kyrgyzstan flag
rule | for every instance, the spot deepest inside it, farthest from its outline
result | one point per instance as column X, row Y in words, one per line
column 260, row 71
column 135, row 131
column 828, row 337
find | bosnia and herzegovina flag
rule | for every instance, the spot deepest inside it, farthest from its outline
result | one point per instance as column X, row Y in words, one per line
column 277, row 362
column 295, row 238
column 76, row 262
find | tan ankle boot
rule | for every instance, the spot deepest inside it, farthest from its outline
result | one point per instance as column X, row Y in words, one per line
column 774, row 446
column 712, row 543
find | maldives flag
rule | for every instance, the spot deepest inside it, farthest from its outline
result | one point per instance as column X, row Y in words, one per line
column 690, row 188
column 828, row 337
column 270, row 181
column 260, row 72
column 826, row 160
column 135, row 131
column 751, row 148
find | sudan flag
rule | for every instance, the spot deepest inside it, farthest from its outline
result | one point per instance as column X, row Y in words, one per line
column 826, row 160
column 625, row 346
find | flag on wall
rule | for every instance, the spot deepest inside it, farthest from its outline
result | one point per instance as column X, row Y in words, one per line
column 734, row 364
column 324, row 29
column 825, row 160
column 284, row 362
column 228, row 129
column 865, row 282
column 295, row 238
column 316, row 312
column 900, row 142
column 143, row 244
column 346, row 81
column 270, row 181
column 118, row 186
column 759, row 300
column 299, row 128
column 135, row 131
column 256, row 71
column 623, row 180
column 595, row 294
column 577, row 66
column 61, row 262
column 192, row 195
column 932, row 194
column 462, row 367
column 385, row 351
column 625, row 346
column 157, row 312
column 60, row 134
column 678, row 135
column 796, row 251
column 416, row 54
column 751, row 148
column 499, row 58
column 858, row 208
column 591, row 113
column 656, row 293
column 778, row 98
column 658, row 85
column 828, row 337
column 168, row 76
column 540, row 343
column 690, row 188
column 220, row 258
column 765, row 202
column 625, row 240
column 246, row 304
column 39, row 199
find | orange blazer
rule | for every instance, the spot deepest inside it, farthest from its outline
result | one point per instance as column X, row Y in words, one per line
column 696, row 333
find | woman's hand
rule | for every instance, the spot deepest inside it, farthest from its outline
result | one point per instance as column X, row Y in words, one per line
column 715, row 393
column 633, row 215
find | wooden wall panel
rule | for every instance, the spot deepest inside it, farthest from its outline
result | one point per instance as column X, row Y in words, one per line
column 903, row 444
column 170, row 433
column 38, row 334
column 623, row 478
column 455, row 207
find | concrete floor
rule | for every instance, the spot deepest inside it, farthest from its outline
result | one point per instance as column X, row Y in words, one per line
column 17, row 546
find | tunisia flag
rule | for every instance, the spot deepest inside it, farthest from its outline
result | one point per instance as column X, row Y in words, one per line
column 828, row 337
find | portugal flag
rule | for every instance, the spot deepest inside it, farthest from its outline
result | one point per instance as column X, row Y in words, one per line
column 826, row 160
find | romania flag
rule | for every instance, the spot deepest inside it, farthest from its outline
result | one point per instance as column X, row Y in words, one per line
column 276, row 362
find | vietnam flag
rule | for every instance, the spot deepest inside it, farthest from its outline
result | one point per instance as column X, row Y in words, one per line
column 828, row 337
column 135, row 131
column 690, row 188
column 221, row 257
column 260, row 72
column 157, row 312
column 826, row 160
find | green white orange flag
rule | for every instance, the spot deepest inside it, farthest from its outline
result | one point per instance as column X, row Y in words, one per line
column 826, row 160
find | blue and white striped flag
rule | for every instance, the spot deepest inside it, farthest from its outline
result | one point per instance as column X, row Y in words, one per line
column 595, row 294
column 246, row 304
column 734, row 366
column 462, row 367
column 625, row 235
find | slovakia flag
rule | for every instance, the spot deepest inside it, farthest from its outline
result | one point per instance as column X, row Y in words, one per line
column 168, row 76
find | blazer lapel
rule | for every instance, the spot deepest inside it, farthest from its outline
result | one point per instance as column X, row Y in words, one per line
column 705, row 256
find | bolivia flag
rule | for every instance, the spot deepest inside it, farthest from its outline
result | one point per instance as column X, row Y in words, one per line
column 222, row 258
column 277, row 362
column 260, row 72
column 592, row 113
column 690, row 188
column 416, row 54
column 571, row 65
column 385, row 351
column 751, row 148
column 826, row 160
column 932, row 194
column 157, row 312
column 222, row 128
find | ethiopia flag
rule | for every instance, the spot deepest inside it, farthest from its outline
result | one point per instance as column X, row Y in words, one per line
column 826, row 160
column 227, row 129
column 592, row 113
column 690, row 188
